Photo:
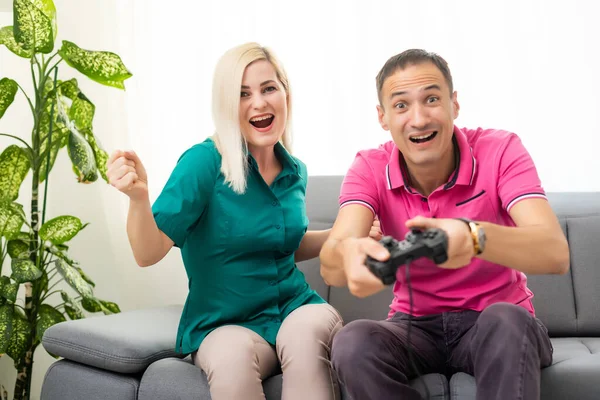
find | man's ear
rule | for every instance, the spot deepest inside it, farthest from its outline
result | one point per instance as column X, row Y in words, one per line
column 381, row 116
column 455, row 104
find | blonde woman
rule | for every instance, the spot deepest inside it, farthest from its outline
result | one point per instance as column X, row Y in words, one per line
column 234, row 205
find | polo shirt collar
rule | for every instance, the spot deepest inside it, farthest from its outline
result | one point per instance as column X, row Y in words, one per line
column 463, row 174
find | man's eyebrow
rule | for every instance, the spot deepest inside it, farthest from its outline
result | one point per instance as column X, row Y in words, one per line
column 430, row 87
column 262, row 84
column 434, row 86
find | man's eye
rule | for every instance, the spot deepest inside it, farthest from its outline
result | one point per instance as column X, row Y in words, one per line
column 432, row 99
column 400, row 105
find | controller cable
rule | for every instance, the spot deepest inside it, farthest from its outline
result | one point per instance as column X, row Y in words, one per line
column 408, row 345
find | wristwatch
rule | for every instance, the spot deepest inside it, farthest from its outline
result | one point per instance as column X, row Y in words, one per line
column 477, row 234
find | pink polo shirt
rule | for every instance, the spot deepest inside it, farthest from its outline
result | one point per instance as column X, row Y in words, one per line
column 494, row 173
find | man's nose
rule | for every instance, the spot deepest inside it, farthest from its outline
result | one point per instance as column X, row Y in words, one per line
column 419, row 117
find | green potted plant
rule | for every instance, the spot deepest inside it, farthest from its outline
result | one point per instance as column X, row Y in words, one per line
column 36, row 270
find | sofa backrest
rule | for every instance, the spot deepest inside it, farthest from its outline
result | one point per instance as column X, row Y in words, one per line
column 569, row 305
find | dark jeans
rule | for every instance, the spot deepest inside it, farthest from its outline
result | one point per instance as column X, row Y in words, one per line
column 504, row 347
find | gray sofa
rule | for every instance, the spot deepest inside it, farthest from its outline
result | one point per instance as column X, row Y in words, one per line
column 130, row 355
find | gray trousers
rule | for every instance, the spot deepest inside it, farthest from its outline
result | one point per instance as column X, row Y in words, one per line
column 504, row 347
column 236, row 359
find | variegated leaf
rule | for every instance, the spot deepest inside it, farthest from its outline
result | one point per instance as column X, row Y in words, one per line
column 8, row 289
column 91, row 304
column 12, row 218
column 82, row 157
column 49, row 10
column 60, row 253
column 7, row 38
column 6, row 323
column 19, row 338
column 24, row 270
column 69, row 89
column 61, row 229
column 14, row 165
column 101, row 66
column 112, row 308
column 48, row 316
column 31, row 24
column 17, row 248
column 84, row 276
column 100, row 155
column 58, row 140
column 72, row 313
column 74, row 279
column 8, row 89
column 73, row 309
column 57, row 106
column 82, row 112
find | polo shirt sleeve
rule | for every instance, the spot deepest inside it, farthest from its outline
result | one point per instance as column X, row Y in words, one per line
column 186, row 193
column 517, row 175
column 358, row 186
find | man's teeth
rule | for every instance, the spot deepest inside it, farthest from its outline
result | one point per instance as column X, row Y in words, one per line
column 257, row 119
column 423, row 136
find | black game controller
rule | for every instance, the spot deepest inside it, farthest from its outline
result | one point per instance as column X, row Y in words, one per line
column 430, row 243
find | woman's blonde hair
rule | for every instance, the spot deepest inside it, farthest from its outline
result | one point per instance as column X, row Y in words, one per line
column 227, row 82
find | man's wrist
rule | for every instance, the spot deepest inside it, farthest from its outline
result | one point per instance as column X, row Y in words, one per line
column 477, row 234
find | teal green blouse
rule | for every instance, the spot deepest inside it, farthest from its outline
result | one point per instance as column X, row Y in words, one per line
column 238, row 250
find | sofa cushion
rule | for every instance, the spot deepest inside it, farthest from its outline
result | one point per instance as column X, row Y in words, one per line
column 437, row 386
column 70, row 380
column 574, row 371
column 116, row 342
column 180, row 379
column 572, row 375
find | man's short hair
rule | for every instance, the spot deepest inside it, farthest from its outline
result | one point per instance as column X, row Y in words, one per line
column 412, row 57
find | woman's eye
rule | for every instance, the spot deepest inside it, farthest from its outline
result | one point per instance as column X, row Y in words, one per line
column 270, row 89
column 244, row 94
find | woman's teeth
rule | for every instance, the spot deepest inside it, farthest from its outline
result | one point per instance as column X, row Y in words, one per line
column 262, row 122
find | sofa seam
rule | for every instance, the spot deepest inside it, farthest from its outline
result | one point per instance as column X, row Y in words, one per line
column 88, row 350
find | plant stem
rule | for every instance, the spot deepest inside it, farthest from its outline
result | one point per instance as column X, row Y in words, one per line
column 49, row 147
column 3, row 254
column 52, row 287
column 55, row 67
column 27, row 97
column 35, row 89
column 17, row 138
column 48, row 295
column 24, row 366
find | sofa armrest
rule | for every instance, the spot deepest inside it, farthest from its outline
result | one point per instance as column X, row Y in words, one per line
column 127, row 342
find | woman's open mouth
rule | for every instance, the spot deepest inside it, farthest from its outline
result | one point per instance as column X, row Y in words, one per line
column 263, row 121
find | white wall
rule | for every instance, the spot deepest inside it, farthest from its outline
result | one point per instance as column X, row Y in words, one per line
column 530, row 67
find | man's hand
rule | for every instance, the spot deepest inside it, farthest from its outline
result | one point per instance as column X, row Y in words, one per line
column 361, row 282
column 460, row 243
column 375, row 232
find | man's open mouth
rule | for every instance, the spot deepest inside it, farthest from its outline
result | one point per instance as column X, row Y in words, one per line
column 263, row 121
column 423, row 138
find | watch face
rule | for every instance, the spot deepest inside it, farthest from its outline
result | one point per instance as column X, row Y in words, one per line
column 481, row 236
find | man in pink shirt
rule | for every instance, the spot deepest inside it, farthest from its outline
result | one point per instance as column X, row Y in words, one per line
column 472, row 313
